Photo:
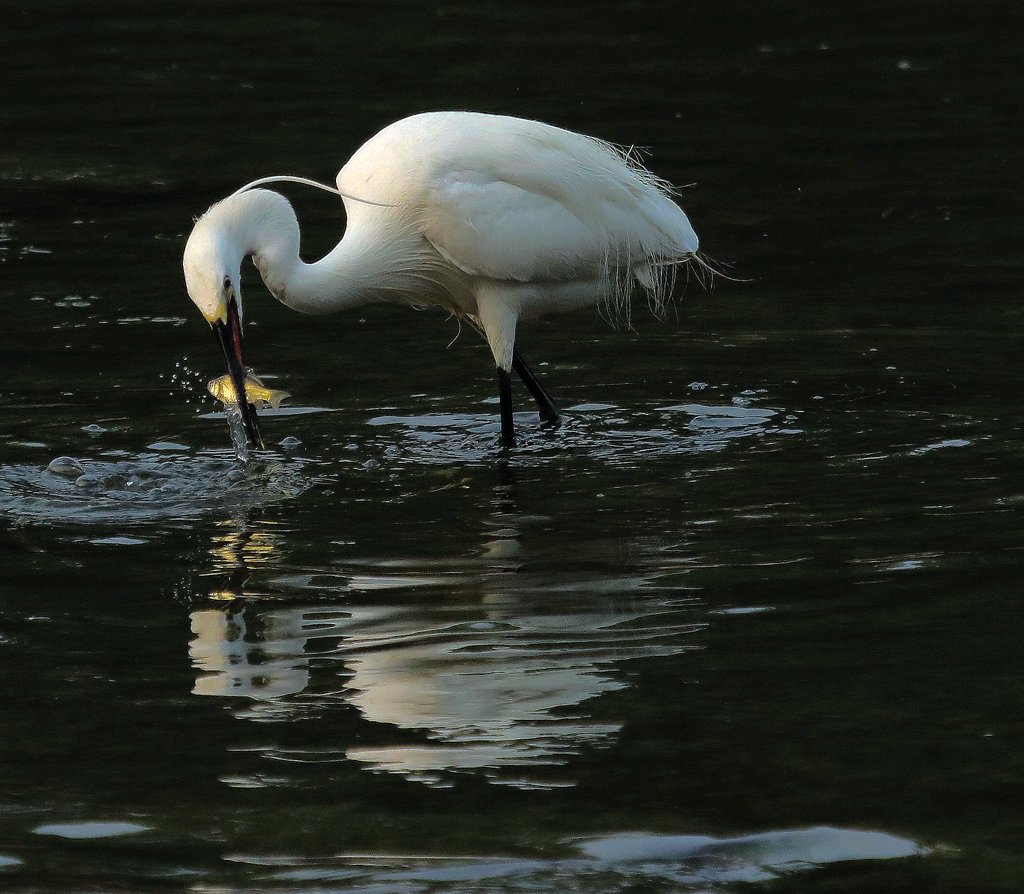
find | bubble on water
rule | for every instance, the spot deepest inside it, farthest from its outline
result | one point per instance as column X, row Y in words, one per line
column 93, row 429
column 66, row 466
column 87, row 482
column 289, row 443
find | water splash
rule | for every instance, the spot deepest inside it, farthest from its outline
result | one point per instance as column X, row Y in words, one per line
column 236, row 428
column 148, row 487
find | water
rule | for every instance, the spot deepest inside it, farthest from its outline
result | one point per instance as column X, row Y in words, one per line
column 746, row 621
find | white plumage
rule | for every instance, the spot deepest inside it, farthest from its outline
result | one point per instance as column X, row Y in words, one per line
column 510, row 199
column 496, row 219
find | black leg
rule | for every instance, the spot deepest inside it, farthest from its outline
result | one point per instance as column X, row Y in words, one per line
column 545, row 405
column 508, row 434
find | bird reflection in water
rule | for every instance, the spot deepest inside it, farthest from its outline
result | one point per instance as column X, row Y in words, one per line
column 491, row 672
column 241, row 650
column 244, row 652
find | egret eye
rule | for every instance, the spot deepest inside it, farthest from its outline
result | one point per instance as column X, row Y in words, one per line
column 227, row 283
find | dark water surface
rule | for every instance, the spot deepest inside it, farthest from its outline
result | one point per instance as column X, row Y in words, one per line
column 750, row 620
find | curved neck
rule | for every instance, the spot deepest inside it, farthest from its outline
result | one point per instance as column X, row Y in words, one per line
column 372, row 262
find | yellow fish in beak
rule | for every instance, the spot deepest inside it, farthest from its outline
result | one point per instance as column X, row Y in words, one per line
column 256, row 393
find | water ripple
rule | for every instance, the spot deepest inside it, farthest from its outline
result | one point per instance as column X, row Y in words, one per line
column 494, row 688
column 685, row 864
column 600, row 430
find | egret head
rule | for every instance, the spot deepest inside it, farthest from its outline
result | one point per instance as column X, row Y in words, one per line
column 212, row 265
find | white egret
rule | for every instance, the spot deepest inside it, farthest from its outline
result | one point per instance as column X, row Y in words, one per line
column 492, row 218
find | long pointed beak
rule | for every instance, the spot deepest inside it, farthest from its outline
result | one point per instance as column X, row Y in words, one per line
column 229, row 335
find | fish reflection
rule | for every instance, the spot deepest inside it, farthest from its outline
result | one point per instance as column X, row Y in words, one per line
column 241, row 546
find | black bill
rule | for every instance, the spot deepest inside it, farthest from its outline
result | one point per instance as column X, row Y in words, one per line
column 229, row 335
